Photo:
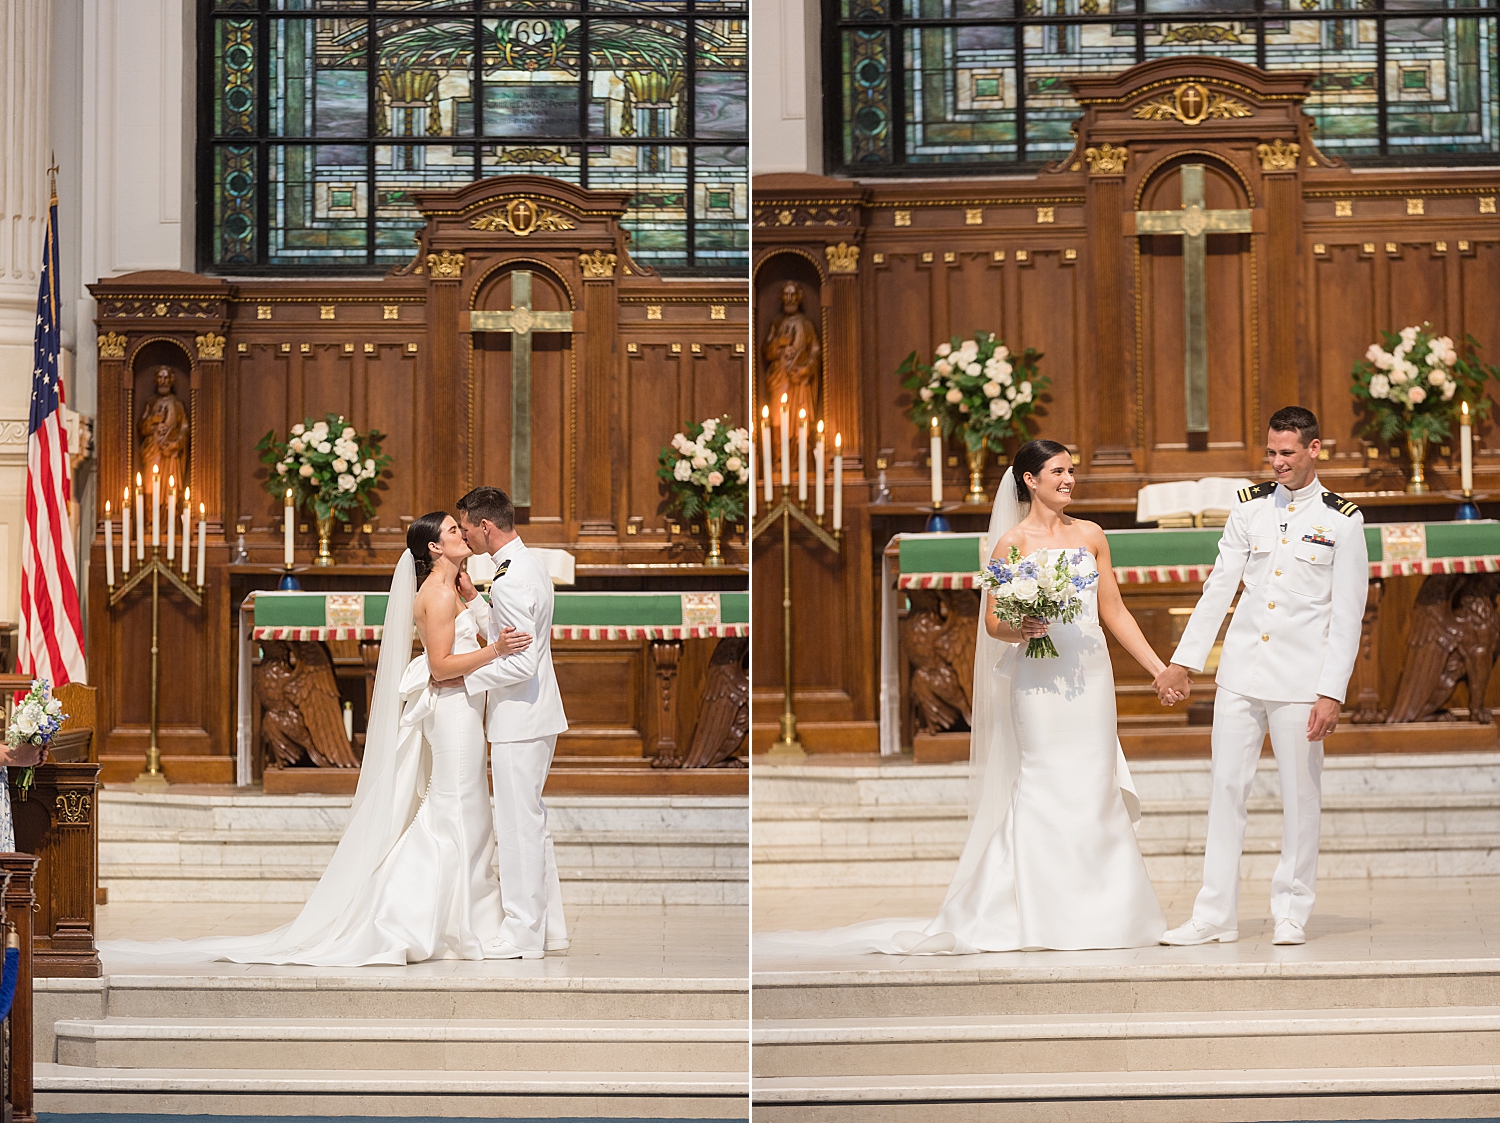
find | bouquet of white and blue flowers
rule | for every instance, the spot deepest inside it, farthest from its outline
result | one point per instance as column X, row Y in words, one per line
column 1031, row 586
column 36, row 718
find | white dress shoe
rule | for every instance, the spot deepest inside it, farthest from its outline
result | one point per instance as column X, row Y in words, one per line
column 556, row 947
column 1199, row 932
column 1289, row 932
column 504, row 949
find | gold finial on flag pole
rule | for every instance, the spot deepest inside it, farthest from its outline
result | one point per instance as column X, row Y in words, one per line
column 52, row 176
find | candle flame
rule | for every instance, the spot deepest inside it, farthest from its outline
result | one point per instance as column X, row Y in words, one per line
column 171, row 483
column 138, row 481
column 783, row 399
column 156, row 471
column 838, row 440
column 934, row 424
column 187, row 493
column 106, row 508
column 765, row 413
column 1463, row 407
column 202, row 510
column 288, row 497
column 820, row 426
column 802, row 415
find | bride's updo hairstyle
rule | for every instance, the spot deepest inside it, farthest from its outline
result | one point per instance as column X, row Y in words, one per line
column 421, row 534
column 1030, row 458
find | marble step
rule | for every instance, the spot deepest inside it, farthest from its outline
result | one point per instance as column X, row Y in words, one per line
column 122, row 846
column 1160, row 1042
column 296, row 993
column 1211, row 1096
column 1199, row 981
column 581, row 885
column 1403, row 814
column 400, row 1044
column 248, row 809
column 447, row 1093
column 933, row 863
column 876, row 781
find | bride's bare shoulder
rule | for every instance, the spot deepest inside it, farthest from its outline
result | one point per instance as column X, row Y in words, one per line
column 1015, row 536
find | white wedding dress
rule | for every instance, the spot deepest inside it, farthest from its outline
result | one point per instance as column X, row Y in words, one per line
column 413, row 876
column 1052, row 860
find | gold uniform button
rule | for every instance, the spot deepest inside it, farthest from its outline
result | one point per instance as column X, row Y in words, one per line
column 1291, row 506
column 1278, row 573
column 1265, row 639
column 1271, row 605
column 1283, row 541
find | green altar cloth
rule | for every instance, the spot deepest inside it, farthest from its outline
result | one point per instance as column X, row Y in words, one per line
column 951, row 561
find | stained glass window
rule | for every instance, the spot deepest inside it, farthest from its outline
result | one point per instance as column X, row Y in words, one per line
column 327, row 116
column 970, row 83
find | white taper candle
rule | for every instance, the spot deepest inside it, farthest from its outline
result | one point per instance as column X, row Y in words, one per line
column 202, row 541
column 172, row 519
column 838, row 481
column 140, row 520
column 786, row 445
column 818, row 467
column 187, row 526
column 802, row 456
column 125, row 535
column 109, row 548
column 1466, row 446
column 287, row 520
column 155, row 506
column 937, row 464
column 768, row 469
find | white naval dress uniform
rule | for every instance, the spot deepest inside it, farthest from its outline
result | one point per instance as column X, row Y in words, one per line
column 1294, row 636
column 524, row 717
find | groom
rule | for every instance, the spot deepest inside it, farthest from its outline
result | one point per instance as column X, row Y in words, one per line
column 525, row 715
column 1285, row 667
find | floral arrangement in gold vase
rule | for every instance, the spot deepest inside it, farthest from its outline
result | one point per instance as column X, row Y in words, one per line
column 329, row 468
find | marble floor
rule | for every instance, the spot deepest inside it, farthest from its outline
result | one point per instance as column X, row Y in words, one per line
column 640, row 941
column 1370, row 919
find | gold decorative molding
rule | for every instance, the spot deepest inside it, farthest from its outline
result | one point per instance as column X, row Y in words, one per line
column 1343, row 208
column 327, row 311
column 1107, row 159
column 445, row 266
column 1368, row 247
column 210, row 346
column 1046, row 214
column 1278, row 156
column 522, row 217
column 842, row 258
column 1319, row 247
column 73, row 808
column 653, row 311
column 973, row 216
column 112, row 345
column 1416, row 206
column 1192, row 103
column 997, row 255
column 597, row 264
column 1486, row 204
column 1070, row 255
column 949, row 257
column 392, row 312
column 1463, row 247
column 262, row 311
column 1200, row 33
column 903, row 218
column 1442, row 247
column 1391, row 247
column 927, row 257
column 717, row 311
column 878, row 259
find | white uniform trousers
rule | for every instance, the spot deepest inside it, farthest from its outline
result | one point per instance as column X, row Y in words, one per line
column 1240, row 726
column 529, row 889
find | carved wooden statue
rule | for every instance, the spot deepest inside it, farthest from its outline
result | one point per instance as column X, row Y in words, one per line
column 1454, row 635
column 794, row 357
column 163, row 429
column 942, row 672
column 724, row 717
column 300, row 709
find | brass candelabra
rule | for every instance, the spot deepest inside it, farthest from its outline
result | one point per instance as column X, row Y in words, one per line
column 152, row 776
column 789, row 747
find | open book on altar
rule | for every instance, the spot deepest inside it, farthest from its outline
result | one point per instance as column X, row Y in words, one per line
column 1205, row 502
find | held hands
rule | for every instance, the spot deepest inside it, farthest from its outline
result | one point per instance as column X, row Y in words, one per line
column 1173, row 684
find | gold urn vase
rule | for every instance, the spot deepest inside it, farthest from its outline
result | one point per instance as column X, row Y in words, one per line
column 1416, row 448
column 715, row 536
column 976, row 494
column 325, row 542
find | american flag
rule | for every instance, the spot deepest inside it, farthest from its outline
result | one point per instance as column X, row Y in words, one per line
column 51, row 626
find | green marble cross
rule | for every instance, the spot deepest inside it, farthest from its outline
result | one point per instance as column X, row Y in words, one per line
column 1194, row 221
column 520, row 320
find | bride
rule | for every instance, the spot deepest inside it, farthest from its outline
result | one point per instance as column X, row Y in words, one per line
column 1051, row 860
column 412, row 878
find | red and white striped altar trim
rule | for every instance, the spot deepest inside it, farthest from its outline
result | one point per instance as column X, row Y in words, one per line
column 310, row 635
column 1481, row 563
column 1181, row 574
column 654, row 631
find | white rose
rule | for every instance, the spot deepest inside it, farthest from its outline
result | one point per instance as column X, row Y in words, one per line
column 54, row 707
column 1024, row 588
column 945, row 348
column 298, row 430
column 1437, row 378
column 298, row 446
column 348, row 433
column 1380, row 386
column 733, row 464
column 1005, row 369
column 282, row 467
column 1024, row 393
column 341, row 465
column 24, row 723
column 745, row 476
column 970, row 348
column 1408, row 336
column 963, row 407
column 942, row 367
column 1398, row 376
column 347, row 482
column 1450, row 357
column 1448, row 390
column 715, row 479
column 682, row 470
column 996, row 406
column 325, row 447
column 992, row 389
column 367, row 473
column 710, row 425
column 954, row 396
column 1005, row 410
column 1385, row 360
column 1010, row 393
column 1401, row 350
column 974, row 369
column 1416, row 395
column 1002, row 352
column 1374, row 352
column 305, row 471
column 925, row 393
column 699, row 462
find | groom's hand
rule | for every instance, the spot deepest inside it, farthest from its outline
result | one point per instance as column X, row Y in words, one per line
column 1323, row 719
column 445, row 683
column 1173, row 684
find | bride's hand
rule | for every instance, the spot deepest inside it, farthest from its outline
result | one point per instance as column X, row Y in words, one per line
column 1033, row 627
column 466, row 590
column 510, row 642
